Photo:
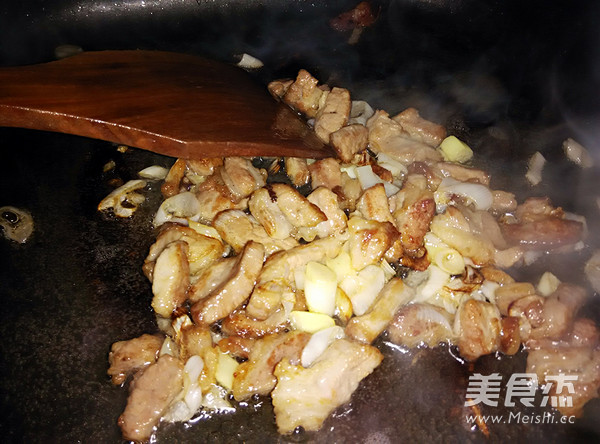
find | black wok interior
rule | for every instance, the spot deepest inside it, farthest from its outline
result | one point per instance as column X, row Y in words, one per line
column 509, row 77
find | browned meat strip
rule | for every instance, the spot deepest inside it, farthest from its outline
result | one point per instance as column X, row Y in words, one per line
column 212, row 278
column 295, row 207
column 306, row 396
column 510, row 335
column 418, row 324
column 127, row 357
column 203, row 167
column 278, row 88
column 264, row 208
column 193, row 340
column 238, row 228
column 509, row 293
column 235, row 290
column 413, row 210
column 419, row 128
column 212, row 202
column 529, row 310
column 304, row 95
column 374, row 205
column 277, row 277
column 171, row 185
column 202, row 250
column 240, row 324
column 152, row 393
column 367, row 327
column 197, row 340
column 543, row 234
column 171, row 278
column 334, row 113
column 496, row 275
column 484, row 224
column 241, row 177
column 237, row 346
column 184, row 173
column 535, row 208
column 326, row 173
column 453, row 228
column 297, row 171
column 369, row 240
column 537, row 225
column 387, row 136
column 349, row 140
column 558, row 312
column 327, row 201
column 429, row 171
column 255, row 376
column 503, row 202
column 479, row 329
column 463, row 173
column 215, row 196
column 577, row 356
column 357, row 18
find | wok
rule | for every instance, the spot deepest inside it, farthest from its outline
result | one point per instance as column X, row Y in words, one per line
column 508, row 77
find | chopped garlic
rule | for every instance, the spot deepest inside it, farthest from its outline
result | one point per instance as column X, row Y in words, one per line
column 177, row 208
column 577, row 154
column 108, row 166
column 320, row 285
column 360, row 112
column 249, row 62
column 189, row 400
column 350, row 170
column 169, row 348
column 127, row 195
column 478, row 195
column 363, row 288
column 319, row 342
column 343, row 306
column 437, row 279
column 388, row 271
column 548, row 284
column 205, row 230
column 455, row 150
column 392, row 165
column 178, row 324
column 214, row 399
column 341, row 265
column 488, row 289
column 368, row 178
column 444, row 256
column 535, row 167
column 153, row 172
column 300, row 277
column 226, row 367
column 310, row 322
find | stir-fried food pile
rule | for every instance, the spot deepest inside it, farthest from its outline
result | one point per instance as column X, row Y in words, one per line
column 274, row 278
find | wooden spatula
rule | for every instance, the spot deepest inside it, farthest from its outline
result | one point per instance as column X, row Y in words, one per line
column 174, row 104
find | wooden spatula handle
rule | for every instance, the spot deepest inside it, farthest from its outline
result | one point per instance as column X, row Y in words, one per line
column 174, row 104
